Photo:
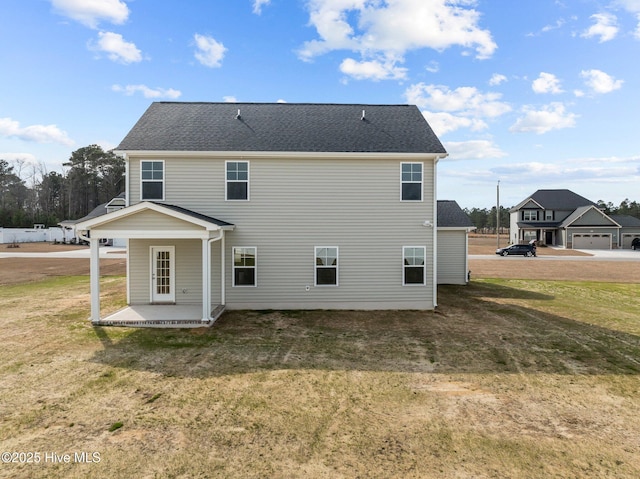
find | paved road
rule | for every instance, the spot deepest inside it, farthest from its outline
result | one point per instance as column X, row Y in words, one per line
column 105, row 253
column 596, row 255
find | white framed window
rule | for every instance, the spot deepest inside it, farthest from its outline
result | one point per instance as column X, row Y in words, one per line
column 414, row 270
column 548, row 215
column 529, row 215
column 411, row 181
column 152, row 180
column 326, row 267
column 244, row 266
column 237, row 180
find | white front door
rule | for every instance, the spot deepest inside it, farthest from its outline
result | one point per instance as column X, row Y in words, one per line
column 163, row 274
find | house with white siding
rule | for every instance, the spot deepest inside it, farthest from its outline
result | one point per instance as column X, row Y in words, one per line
column 275, row 206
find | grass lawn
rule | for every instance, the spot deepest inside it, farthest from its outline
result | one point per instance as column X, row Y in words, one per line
column 509, row 378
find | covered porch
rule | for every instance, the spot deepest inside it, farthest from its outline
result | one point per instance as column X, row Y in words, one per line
column 169, row 265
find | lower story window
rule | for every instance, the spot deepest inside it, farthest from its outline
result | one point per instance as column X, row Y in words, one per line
column 413, row 265
column 326, row 266
column 244, row 266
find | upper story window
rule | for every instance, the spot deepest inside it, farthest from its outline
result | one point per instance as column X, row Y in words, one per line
column 414, row 271
column 326, row 266
column 237, row 183
column 152, row 180
column 548, row 215
column 411, row 181
column 529, row 215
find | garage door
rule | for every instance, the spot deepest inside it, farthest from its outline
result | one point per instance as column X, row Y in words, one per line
column 592, row 241
column 627, row 239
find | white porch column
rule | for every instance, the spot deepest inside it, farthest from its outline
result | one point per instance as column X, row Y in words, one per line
column 95, row 279
column 206, row 274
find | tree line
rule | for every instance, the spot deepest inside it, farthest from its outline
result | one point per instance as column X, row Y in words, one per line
column 485, row 219
column 29, row 194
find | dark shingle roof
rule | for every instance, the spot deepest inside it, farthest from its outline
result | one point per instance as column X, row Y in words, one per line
column 560, row 200
column 286, row 127
column 450, row 215
column 626, row 221
column 194, row 214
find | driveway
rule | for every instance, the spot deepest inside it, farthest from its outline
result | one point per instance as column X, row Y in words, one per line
column 594, row 255
column 108, row 252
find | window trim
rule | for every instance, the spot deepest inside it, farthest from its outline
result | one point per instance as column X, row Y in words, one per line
column 163, row 181
column 255, row 267
column 532, row 215
column 227, row 181
column 315, row 267
column 421, row 182
column 548, row 215
column 424, row 267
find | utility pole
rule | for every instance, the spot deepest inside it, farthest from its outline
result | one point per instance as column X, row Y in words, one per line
column 498, row 213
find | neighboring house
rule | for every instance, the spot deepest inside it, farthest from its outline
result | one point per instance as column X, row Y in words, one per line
column 566, row 219
column 453, row 243
column 277, row 206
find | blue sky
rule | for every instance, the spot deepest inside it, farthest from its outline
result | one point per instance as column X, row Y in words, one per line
column 534, row 94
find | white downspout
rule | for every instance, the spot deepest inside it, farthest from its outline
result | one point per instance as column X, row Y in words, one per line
column 207, row 275
column 435, row 232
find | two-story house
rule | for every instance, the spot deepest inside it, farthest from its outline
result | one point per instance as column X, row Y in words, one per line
column 275, row 206
column 566, row 219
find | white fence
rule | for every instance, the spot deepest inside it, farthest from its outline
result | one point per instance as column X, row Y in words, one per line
column 31, row 235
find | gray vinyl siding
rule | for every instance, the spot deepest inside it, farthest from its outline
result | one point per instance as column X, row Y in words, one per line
column 188, row 280
column 147, row 221
column 452, row 256
column 295, row 205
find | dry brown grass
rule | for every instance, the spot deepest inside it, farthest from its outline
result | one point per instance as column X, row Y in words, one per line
column 506, row 380
column 510, row 378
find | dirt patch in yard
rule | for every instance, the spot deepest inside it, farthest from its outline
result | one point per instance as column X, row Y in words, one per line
column 26, row 270
column 535, row 268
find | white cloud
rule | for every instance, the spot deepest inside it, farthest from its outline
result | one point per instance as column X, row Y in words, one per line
column 372, row 70
column 433, row 67
column 473, row 150
column 116, row 48
column 497, row 79
column 91, row 12
column 389, row 29
column 229, row 99
column 258, row 4
column 633, row 7
column 605, row 170
column 546, row 83
column 463, row 99
column 448, row 110
column 13, row 157
column 34, row 133
column 209, row 52
column 551, row 117
column 605, row 27
column 147, row 92
column 443, row 122
column 600, row 82
column 559, row 23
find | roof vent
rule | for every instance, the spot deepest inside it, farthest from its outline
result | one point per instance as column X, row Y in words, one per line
column 363, row 116
column 238, row 115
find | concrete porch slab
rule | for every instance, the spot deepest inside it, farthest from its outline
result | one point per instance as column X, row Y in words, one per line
column 160, row 316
